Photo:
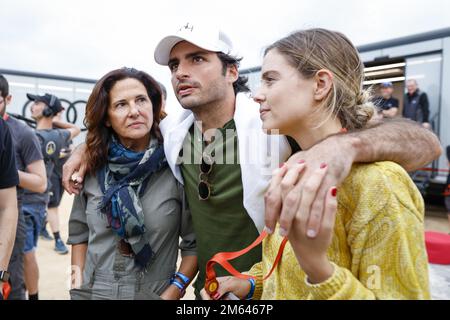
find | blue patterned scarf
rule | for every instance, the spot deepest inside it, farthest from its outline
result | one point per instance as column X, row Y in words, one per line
column 123, row 181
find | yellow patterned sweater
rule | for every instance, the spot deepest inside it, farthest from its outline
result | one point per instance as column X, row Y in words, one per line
column 378, row 248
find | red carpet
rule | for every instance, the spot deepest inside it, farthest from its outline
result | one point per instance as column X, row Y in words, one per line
column 438, row 247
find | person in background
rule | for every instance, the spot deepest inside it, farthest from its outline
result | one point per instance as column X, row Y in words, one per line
column 9, row 179
column 51, row 140
column 416, row 106
column 55, row 135
column 32, row 176
column 56, row 192
column 386, row 102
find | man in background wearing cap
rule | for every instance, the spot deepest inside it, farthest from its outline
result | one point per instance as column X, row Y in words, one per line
column 52, row 141
column 32, row 176
column 57, row 190
column 387, row 103
column 226, row 200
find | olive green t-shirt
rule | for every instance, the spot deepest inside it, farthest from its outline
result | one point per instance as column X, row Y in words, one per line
column 221, row 223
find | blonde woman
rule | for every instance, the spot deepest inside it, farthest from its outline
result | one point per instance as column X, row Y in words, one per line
column 370, row 244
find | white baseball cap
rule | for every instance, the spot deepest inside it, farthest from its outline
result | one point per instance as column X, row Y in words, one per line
column 205, row 37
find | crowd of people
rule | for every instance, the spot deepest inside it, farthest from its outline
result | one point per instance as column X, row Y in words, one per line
column 304, row 164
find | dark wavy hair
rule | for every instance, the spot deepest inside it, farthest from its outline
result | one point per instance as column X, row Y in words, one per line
column 98, row 134
column 240, row 85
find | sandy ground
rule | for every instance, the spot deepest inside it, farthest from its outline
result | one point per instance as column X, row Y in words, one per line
column 54, row 281
column 55, row 268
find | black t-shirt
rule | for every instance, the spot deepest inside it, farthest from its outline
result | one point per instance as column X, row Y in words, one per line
column 8, row 170
column 26, row 145
column 57, row 170
column 386, row 104
column 52, row 141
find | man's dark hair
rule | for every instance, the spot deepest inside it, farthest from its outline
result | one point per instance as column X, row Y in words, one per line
column 4, row 86
column 240, row 85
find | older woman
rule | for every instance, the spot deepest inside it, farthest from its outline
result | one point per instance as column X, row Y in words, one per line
column 126, row 222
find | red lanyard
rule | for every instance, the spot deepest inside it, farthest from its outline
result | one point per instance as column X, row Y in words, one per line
column 211, row 283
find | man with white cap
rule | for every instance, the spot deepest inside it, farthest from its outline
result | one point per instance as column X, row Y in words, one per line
column 225, row 197
column 221, row 121
column 207, row 84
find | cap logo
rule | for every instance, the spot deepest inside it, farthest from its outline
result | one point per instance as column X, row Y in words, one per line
column 187, row 26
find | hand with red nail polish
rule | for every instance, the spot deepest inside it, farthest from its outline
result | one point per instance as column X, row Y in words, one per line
column 326, row 164
column 294, row 205
column 283, row 180
column 310, row 247
column 334, row 191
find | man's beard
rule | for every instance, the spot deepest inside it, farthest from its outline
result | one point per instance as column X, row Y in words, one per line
column 202, row 98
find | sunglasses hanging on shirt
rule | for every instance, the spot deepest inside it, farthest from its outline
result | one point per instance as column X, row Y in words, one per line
column 204, row 188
